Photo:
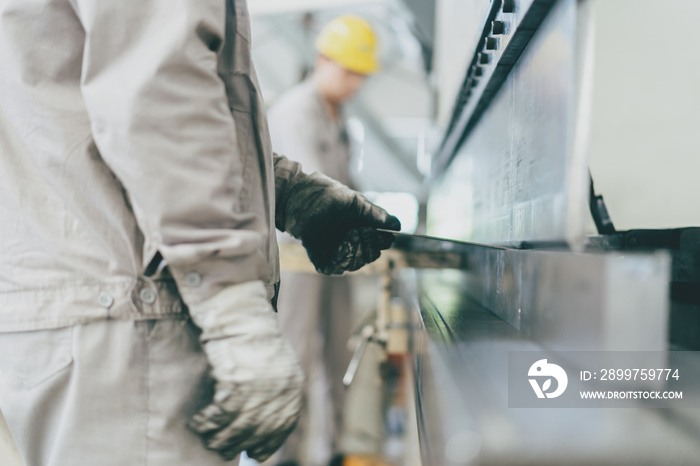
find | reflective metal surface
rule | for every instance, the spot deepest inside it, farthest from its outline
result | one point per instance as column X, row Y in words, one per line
column 574, row 302
column 684, row 246
column 505, row 32
column 517, row 177
column 565, row 301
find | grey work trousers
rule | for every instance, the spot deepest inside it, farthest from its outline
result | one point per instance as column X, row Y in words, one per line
column 315, row 315
column 110, row 393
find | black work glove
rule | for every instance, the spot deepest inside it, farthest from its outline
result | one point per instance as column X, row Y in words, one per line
column 336, row 225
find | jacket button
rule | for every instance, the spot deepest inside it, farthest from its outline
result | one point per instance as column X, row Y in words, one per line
column 105, row 300
column 147, row 295
column 193, row 279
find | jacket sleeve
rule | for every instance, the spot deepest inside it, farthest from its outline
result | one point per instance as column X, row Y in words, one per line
column 161, row 122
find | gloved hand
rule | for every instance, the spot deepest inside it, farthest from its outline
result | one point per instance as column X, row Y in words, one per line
column 336, row 225
column 259, row 381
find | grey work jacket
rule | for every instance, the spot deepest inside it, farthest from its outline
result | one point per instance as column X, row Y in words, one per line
column 130, row 128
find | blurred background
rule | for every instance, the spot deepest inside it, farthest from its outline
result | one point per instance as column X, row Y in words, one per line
column 393, row 122
column 399, row 118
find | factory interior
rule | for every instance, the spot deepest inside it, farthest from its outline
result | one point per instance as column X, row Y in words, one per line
column 542, row 157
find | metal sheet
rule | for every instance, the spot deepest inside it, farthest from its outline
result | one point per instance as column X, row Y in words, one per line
column 517, row 177
column 411, row 237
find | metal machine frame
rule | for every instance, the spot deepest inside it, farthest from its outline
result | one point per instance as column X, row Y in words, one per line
column 553, row 287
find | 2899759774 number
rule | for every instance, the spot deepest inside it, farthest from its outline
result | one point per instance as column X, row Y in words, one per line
column 639, row 374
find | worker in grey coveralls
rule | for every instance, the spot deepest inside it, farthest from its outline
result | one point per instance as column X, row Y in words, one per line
column 308, row 126
column 138, row 201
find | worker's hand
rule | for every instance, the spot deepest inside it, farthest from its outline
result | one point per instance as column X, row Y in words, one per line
column 336, row 225
column 258, row 378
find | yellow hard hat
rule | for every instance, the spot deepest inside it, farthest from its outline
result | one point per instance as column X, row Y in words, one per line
column 350, row 41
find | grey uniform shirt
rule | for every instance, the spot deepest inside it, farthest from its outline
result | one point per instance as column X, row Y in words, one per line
column 302, row 129
column 130, row 128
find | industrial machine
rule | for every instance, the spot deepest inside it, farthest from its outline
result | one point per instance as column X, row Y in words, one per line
column 512, row 174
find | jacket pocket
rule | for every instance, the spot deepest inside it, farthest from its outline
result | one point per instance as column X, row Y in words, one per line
column 30, row 358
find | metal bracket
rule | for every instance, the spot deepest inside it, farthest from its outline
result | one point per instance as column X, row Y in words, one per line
column 599, row 211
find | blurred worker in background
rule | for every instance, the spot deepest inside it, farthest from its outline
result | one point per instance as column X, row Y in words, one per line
column 308, row 126
column 138, row 201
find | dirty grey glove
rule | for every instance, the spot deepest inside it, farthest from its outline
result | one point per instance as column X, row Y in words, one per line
column 336, row 225
column 258, row 378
